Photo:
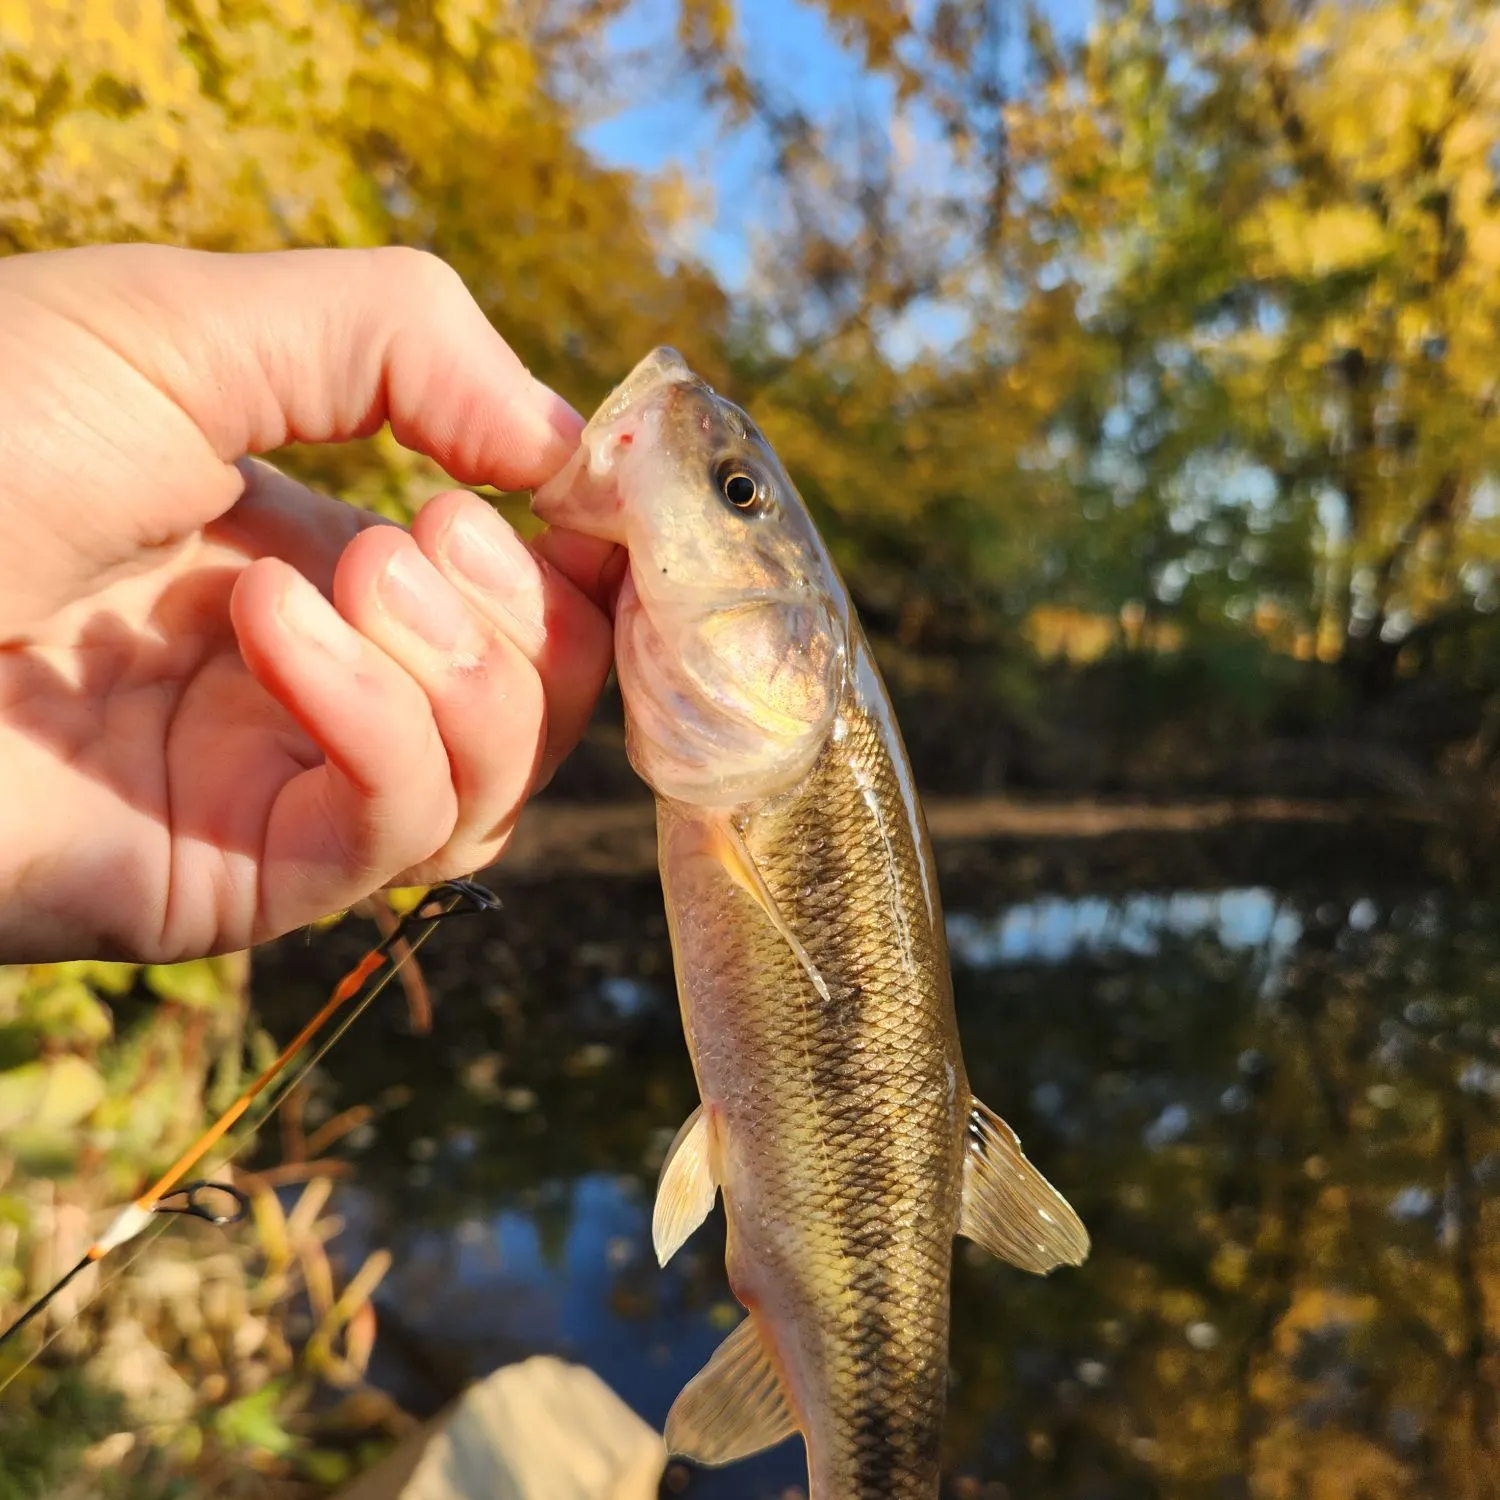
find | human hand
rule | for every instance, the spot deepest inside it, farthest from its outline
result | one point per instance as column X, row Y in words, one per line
column 228, row 705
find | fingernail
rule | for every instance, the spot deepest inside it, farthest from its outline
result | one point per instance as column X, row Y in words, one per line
column 502, row 568
column 416, row 597
column 305, row 611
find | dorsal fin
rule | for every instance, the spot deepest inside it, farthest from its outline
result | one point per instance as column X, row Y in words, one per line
column 740, row 865
column 734, row 1406
column 1009, row 1207
column 686, row 1188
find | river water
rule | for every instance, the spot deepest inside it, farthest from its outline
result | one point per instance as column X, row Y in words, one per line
column 1262, row 1063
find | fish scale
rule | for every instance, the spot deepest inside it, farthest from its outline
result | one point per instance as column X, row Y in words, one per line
column 873, row 1209
column 807, row 936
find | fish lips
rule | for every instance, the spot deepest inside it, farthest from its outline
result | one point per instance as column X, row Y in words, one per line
column 584, row 495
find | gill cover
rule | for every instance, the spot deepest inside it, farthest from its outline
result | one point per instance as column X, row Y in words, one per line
column 727, row 704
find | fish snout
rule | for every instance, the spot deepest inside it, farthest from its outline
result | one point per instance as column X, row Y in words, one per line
column 663, row 366
column 587, row 494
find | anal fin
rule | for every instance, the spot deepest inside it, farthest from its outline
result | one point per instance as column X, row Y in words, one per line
column 686, row 1188
column 740, row 864
column 1009, row 1207
column 734, row 1406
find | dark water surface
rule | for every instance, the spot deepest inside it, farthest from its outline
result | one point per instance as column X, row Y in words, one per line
column 1264, row 1065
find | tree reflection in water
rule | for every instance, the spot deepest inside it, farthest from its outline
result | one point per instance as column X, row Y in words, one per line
column 1286, row 1151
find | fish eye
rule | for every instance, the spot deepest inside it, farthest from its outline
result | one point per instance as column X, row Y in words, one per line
column 739, row 486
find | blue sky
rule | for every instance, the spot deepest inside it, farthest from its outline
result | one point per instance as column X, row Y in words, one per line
column 665, row 125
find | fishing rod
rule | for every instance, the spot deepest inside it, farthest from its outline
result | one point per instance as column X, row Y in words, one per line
column 172, row 1193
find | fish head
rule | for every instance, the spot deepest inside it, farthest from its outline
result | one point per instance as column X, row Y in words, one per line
column 732, row 628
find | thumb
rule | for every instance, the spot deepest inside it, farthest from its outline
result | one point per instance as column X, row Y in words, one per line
column 316, row 346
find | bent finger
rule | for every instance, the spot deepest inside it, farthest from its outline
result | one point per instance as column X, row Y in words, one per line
column 595, row 567
column 484, row 695
column 383, row 799
column 278, row 516
column 561, row 633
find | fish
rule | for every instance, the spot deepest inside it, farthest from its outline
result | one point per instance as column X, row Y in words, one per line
column 835, row 1119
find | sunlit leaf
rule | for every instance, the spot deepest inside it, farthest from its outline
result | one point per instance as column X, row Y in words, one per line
column 254, row 1422
column 49, row 1095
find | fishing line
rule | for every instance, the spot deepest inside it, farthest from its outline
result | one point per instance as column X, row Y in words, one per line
column 190, row 1208
column 121, row 1267
column 154, row 1208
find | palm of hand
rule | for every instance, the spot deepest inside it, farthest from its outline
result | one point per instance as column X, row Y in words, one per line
column 146, row 751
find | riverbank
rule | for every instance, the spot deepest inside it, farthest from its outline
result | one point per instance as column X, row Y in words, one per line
column 556, row 836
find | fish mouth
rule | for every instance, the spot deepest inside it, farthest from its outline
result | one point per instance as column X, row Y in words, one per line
column 663, row 366
column 584, row 495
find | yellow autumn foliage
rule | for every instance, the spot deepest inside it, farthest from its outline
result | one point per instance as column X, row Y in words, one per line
column 1285, row 240
column 1304, row 199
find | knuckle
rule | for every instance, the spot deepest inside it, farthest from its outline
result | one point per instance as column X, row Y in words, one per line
column 424, row 274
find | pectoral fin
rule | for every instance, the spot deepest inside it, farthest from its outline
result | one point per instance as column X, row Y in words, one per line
column 740, row 864
column 1009, row 1207
column 685, row 1191
column 734, row 1406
